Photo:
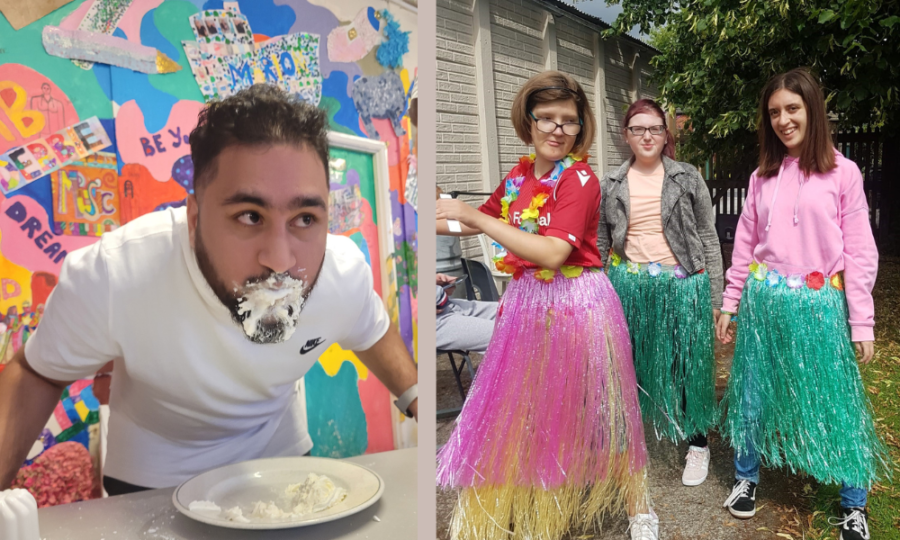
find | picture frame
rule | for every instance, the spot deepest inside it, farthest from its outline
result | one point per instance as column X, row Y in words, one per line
column 382, row 213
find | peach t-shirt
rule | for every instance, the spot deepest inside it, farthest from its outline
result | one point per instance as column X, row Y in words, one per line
column 645, row 241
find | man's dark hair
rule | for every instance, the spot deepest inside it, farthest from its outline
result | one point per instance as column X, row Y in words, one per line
column 261, row 115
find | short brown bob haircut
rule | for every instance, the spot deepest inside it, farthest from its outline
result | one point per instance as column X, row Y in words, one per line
column 553, row 86
column 817, row 155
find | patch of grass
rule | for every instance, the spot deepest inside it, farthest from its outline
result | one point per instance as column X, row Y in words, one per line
column 882, row 379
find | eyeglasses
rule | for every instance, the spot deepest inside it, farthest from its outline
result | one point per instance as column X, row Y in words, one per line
column 549, row 126
column 640, row 130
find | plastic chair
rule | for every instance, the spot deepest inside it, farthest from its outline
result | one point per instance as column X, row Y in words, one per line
column 489, row 251
column 480, row 285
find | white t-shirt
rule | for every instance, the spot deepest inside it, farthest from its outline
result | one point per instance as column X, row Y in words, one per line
column 190, row 392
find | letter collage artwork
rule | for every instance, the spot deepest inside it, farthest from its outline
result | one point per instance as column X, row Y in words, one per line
column 225, row 59
column 24, row 164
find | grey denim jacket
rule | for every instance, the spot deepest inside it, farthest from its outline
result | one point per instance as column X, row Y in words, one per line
column 687, row 216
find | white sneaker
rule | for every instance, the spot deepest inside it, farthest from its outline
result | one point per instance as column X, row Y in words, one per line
column 644, row 526
column 697, row 466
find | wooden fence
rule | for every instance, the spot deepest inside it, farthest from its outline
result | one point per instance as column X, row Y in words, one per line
column 877, row 156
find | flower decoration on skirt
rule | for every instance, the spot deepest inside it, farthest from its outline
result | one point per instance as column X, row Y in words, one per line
column 795, row 281
column 837, row 282
column 571, row 271
column 773, row 278
column 546, row 275
column 815, row 280
column 759, row 271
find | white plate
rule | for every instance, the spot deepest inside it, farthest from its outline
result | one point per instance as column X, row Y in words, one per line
column 242, row 484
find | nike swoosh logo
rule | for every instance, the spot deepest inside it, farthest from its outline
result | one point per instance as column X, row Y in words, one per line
column 310, row 345
column 584, row 177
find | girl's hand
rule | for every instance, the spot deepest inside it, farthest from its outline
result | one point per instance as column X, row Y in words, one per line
column 865, row 349
column 723, row 332
column 716, row 314
column 458, row 210
column 444, row 279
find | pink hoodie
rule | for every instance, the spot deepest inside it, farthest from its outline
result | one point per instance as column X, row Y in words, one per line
column 820, row 223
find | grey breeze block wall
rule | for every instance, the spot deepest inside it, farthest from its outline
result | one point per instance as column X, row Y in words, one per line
column 524, row 37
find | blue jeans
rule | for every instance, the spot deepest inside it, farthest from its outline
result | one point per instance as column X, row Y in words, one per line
column 746, row 467
column 746, row 464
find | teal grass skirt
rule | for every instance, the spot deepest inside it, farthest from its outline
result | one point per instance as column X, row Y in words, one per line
column 670, row 321
column 795, row 393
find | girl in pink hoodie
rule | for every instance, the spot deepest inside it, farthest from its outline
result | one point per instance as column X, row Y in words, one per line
column 803, row 268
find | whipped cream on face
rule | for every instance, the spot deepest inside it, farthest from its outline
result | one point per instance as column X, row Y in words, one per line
column 275, row 302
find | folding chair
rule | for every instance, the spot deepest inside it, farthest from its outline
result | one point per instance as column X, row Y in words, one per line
column 489, row 251
column 457, row 370
column 480, row 281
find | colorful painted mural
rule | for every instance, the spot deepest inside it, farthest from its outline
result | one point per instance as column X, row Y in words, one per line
column 362, row 77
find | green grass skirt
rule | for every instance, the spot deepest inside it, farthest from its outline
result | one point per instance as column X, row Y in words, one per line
column 670, row 321
column 795, row 392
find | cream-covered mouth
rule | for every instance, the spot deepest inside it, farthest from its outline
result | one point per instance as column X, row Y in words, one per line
column 271, row 304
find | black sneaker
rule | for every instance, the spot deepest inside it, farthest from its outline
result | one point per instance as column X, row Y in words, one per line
column 853, row 523
column 742, row 501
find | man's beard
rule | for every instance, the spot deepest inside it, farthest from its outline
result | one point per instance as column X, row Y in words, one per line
column 281, row 306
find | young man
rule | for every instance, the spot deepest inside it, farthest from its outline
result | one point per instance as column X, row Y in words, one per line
column 211, row 312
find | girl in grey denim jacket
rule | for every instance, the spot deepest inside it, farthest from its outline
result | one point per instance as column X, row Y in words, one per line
column 658, row 242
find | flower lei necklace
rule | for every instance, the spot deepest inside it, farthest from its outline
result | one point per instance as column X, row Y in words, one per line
column 509, row 263
column 542, row 192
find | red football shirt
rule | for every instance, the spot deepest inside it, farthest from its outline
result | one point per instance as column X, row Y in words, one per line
column 571, row 213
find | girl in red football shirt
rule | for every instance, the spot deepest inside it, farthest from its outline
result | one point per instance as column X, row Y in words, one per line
column 550, row 436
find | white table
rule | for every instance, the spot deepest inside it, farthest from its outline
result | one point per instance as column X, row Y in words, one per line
column 150, row 515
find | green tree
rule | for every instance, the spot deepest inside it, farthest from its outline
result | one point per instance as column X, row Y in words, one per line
column 716, row 55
